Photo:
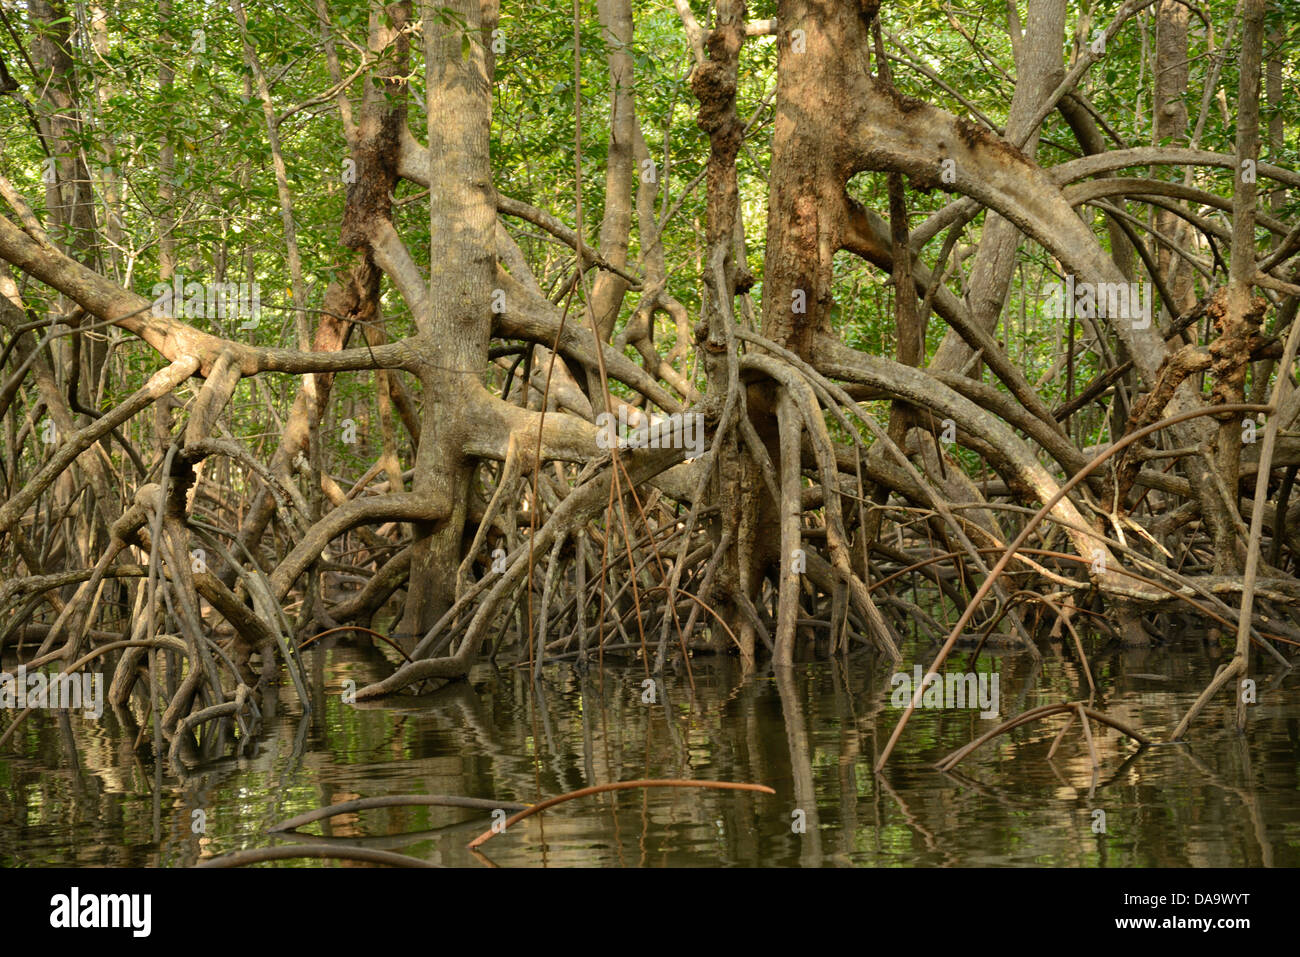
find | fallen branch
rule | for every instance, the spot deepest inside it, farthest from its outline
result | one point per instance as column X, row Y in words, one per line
column 616, row 786
column 395, row 800
column 259, row 855
column 1034, row 714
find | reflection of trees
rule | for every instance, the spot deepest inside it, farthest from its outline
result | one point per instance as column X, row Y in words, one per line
column 811, row 733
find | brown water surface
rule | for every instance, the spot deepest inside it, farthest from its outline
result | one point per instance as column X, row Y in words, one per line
column 80, row 795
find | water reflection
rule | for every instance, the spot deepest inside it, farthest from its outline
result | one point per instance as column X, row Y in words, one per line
column 81, row 793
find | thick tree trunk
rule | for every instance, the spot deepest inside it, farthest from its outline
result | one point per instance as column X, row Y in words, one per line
column 456, row 316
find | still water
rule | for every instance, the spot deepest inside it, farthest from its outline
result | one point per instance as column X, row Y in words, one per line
column 80, row 795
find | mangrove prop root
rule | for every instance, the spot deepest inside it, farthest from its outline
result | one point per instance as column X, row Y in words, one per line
column 1025, row 532
column 507, row 525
